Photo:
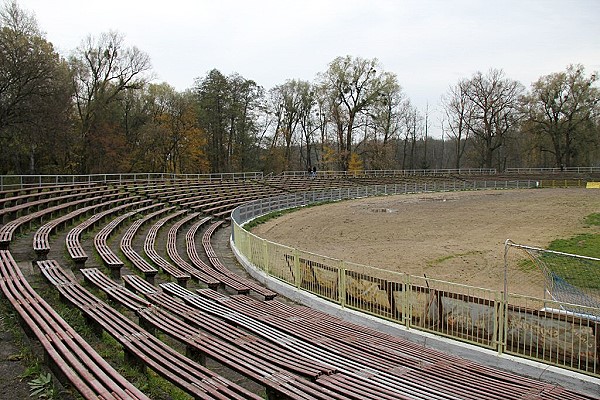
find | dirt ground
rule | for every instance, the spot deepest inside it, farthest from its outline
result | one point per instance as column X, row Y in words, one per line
column 457, row 237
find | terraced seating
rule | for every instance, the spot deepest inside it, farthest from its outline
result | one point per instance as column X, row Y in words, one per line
column 10, row 228
column 41, row 238
column 223, row 208
column 195, row 273
column 355, row 362
column 110, row 259
column 21, row 196
column 134, row 257
column 141, row 348
column 9, row 213
column 149, row 248
column 250, row 356
column 72, row 240
column 400, row 368
column 194, row 257
column 358, row 379
column 69, row 354
column 218, row 265
column 216, row 327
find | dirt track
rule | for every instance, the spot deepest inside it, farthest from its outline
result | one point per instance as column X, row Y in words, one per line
column 457, row 236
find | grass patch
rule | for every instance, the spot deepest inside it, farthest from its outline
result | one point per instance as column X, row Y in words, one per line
column 593, row 219
column 578, row 272
column 587, row 244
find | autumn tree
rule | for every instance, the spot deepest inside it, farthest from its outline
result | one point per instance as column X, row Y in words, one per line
column 103, row 68
column 34, row 97
column 560, row 111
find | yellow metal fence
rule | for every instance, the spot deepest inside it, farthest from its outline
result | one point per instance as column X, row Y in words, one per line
column 524, row 326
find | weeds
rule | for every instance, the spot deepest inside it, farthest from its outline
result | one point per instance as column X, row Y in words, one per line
column 42, row 387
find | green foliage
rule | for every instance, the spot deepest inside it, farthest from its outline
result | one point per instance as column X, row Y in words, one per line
column 42, row 387
column 33, row 369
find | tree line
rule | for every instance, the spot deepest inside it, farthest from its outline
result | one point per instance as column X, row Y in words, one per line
column 98, row 111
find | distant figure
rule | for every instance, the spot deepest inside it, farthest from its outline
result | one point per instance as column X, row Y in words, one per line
column 309, row 171
column 314, row 172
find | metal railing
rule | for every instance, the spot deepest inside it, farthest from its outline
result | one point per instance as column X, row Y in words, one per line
column 480, row 316
column 392, row 173
column 579, row 170
column 11, row 182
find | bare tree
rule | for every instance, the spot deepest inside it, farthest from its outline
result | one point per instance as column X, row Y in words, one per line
column 560, row 110
column 352, row 85
column 495, row 101
column 412, row 122
column 102, row 69
column 458, row 110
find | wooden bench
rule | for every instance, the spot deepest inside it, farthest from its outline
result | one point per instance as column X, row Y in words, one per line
column 9, row 213
column 72, row 240
column 10, row 228
column 110, row 259
column 18, row 199
column 181, row 276
column 250, row 356
column 371, row 374
column 74, row 247
column 134, row 257
column 41, row 238
column 142, row 349
column 199, row 275
column 269, row 350
column 356, row 386
column 219, row 266
column 71, row 358
column 194, row 257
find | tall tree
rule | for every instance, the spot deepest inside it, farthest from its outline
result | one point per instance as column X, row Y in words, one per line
column 228, row 110
column 291, row 104
column 458, row 110
column 103, row 68
column 412, row 132
column 495, row 100
column 560, row 110
column 34, row 96
column 386, row 120
column 352, row 84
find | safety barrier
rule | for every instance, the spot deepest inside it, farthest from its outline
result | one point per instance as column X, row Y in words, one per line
column 526, row 327
column 11, row 182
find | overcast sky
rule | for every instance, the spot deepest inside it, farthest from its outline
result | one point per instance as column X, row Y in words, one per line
column 429, row 44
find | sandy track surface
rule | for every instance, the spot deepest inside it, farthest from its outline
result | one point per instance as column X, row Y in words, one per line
column 457, row 236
